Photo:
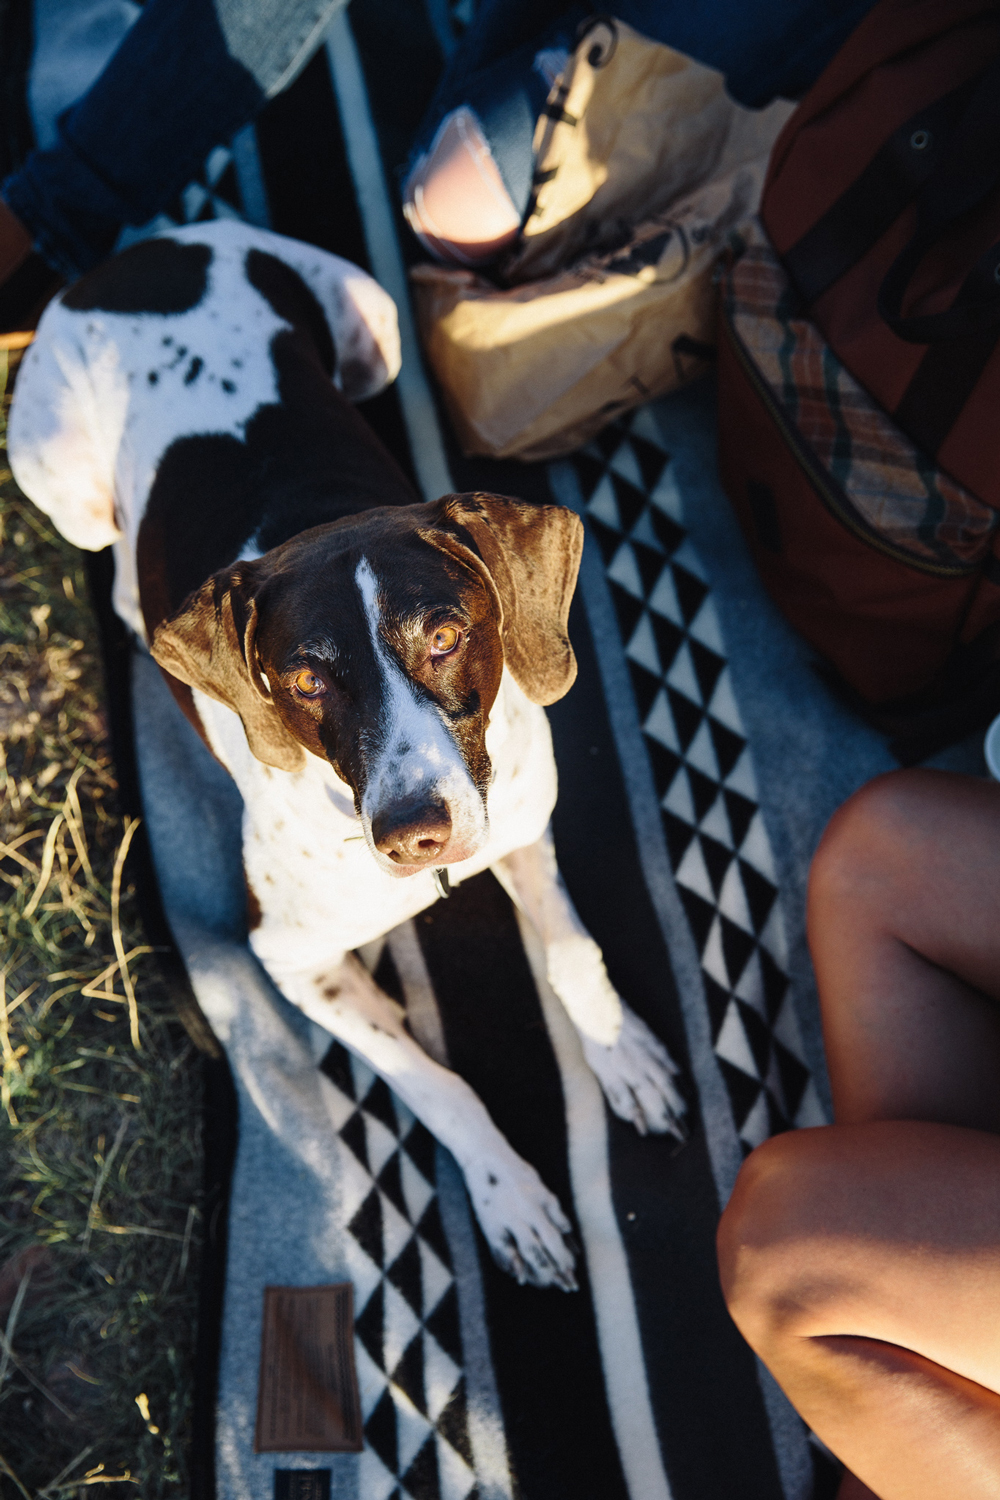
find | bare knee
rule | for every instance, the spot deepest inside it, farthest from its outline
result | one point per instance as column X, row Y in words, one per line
column 455, row 199
column 867, row 849
column 767, row 1236
column 747, row 1232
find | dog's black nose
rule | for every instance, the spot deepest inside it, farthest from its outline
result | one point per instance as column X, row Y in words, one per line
column 409, row 834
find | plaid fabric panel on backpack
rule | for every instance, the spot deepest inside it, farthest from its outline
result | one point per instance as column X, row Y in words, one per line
column 864, row 468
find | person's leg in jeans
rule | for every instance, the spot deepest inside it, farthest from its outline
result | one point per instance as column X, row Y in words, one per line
column 186, row 77
column 468, row 183
column 862, row 1260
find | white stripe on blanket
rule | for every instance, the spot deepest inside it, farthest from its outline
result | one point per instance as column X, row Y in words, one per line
column 610, row 1285
column 387, row 267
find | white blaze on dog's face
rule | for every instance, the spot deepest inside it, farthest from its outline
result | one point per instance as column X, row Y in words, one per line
column 420, row 804
column 379, row 642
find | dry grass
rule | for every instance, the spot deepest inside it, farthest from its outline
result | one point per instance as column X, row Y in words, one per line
column 100, row 1089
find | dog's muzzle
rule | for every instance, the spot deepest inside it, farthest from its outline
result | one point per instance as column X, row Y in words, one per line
column 412, row 835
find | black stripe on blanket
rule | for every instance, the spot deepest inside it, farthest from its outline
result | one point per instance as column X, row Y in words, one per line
column 557, row 1422
column 637, row 1386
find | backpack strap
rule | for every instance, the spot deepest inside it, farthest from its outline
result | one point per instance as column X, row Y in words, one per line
column 891, row 28
column 874, row 201
column 966, row 174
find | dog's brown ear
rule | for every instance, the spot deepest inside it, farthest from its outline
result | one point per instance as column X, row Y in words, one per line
column 210, row 643
column 528, row 556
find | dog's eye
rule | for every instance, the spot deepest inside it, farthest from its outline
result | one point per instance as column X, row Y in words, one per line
column 445, row 639
column 307, row 683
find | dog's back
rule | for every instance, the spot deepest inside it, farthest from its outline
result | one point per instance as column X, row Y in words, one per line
column 188, row 402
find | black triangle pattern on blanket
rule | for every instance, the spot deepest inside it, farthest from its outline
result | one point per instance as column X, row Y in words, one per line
column 703, row 769
column 213, row 194
column 407, row 1338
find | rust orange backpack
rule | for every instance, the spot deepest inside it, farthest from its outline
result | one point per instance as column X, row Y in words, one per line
column 859, row 370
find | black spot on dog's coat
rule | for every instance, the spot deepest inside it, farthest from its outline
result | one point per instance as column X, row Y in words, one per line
column 353, row 374
column 291, row 299
column 156, row 276
column 304, row 460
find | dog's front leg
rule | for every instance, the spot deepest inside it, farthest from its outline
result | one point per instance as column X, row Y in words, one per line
column 523, row 1222
column 634, row 1068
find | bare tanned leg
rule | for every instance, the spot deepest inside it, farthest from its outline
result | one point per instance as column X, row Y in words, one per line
column 862, row 1261
column 904, row 930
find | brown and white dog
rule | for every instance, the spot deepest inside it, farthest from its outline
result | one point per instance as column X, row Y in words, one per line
column 369, row 669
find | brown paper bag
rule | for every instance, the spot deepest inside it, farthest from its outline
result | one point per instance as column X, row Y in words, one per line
column 532, row 372
column 629, row 127
column 600, row 317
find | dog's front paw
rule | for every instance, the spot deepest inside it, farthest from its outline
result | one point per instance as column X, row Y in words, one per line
column 523, row 1222
column 637, row 1075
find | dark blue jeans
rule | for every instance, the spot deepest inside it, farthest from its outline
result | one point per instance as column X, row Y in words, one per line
column 765, row 49
column 185, row 78
column 190, row 73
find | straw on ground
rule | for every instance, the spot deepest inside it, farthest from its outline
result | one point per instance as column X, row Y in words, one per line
column 99, row 1096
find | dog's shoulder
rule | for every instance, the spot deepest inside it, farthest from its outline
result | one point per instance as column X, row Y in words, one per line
column 64, row 428
column 172, row 338
column 167, row 338
column 359, row 316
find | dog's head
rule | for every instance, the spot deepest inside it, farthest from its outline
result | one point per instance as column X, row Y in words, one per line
column 379, row 642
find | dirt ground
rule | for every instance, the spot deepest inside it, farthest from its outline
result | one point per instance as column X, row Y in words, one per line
column 99, row 1107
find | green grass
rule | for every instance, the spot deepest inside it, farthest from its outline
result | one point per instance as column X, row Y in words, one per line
column 99, row 1109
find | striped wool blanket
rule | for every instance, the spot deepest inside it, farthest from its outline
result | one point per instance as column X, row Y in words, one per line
column 699, row 758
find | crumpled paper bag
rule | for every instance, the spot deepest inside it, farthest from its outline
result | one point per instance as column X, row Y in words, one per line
column 599, row 315
column 533, row 371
